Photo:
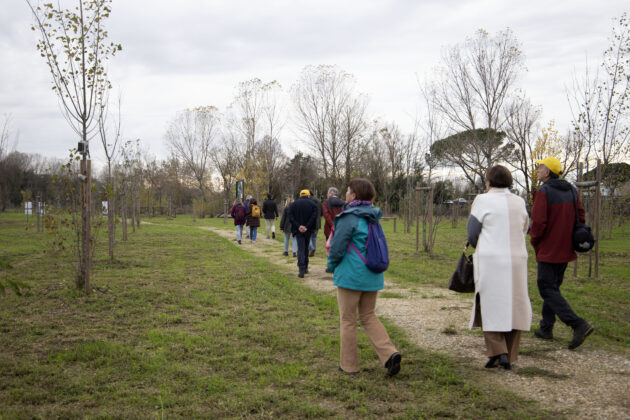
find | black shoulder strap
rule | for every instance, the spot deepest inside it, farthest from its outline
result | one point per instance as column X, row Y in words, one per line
column 577, row 214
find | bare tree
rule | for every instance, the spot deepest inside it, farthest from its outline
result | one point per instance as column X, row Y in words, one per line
column 353, row 132
column 247, row 109
column 5, row 164
column 74, row 45
column 271, row 158
column 226, row 158
column 521, row 125
column 272, row 109
column 269, row 150
column 128, row 174
column 5, row 137
column 475, row 81
column 109, row 141
column 583, row 98
column 191, row 136
column 327, row 109
column 393, row 147
column 600, row 105
column 171, row 168
column 255, row 113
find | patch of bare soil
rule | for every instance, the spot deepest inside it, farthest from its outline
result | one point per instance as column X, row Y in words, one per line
column 585, row 383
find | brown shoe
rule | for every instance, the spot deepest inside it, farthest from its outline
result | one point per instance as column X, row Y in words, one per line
column 311, row 253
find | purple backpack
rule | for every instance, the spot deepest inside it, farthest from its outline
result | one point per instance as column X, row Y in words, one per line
column 240, row 213
column 377, row 259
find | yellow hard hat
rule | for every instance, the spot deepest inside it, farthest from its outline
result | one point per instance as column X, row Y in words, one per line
column 305, row 193
column 552, row 164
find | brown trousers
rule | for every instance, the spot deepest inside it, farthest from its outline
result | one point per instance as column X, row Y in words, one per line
column 349, row 302
column 503, row 342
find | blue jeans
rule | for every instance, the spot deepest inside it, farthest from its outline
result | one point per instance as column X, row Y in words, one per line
column 287, row 238
column 313, row 242
column 239, row 232
column 252, row 233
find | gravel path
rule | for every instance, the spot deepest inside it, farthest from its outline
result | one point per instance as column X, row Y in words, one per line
column 585, row 383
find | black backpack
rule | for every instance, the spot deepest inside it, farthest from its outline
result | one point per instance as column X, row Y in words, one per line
column 583, row 240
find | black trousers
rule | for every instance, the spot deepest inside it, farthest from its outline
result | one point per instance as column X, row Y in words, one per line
column 303, row 240
column 550, row 278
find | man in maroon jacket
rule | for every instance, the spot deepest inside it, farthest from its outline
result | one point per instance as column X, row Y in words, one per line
column 332, row 207
column 553, row 217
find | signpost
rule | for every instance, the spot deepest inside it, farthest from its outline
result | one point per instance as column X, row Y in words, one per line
column 240, row 188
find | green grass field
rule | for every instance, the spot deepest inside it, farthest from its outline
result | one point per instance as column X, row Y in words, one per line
column 184, row 324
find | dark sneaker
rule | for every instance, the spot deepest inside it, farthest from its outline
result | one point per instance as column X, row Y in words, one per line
column 311, row 253
column 544, row 334
column 294, row 255
column 273, row 235
column 328, row 270
column 579, row 335
column 285, row 254
column 393, row 364
column 239, row 241
column 301, row 274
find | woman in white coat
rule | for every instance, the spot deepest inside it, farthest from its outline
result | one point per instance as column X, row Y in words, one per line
column 497, row 227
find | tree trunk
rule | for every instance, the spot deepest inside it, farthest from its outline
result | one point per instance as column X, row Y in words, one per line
column 133, row 213
column 138, row 209
column 110, row 224
column 124, row 216
column 83, row 280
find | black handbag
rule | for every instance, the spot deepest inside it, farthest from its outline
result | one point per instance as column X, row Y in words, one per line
column 462, row 280
column 583, row 240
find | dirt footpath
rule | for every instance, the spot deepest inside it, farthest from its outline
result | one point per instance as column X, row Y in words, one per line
column 585, row 383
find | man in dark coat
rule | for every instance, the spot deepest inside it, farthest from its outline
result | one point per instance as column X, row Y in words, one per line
column 270, row 213
column 551, row 232
column 331, row 208
column 302, row 214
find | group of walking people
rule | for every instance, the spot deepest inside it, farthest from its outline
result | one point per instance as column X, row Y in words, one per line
column 497, row 228
column 345, row 224
column 248, row 214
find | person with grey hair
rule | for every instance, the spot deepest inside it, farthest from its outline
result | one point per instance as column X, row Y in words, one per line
column 332, row 206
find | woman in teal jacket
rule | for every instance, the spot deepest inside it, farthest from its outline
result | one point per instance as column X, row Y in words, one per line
column 357, row 285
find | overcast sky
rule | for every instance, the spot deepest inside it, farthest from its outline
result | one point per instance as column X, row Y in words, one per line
column 185, row 53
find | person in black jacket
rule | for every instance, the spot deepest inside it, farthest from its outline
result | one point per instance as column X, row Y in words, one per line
column 302, row 214
column 285, row 226
column 270, row 213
